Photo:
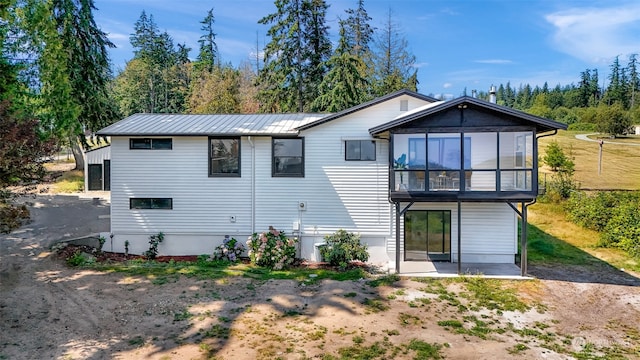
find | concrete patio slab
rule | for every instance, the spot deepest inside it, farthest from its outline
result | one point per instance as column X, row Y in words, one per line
column 448, row 269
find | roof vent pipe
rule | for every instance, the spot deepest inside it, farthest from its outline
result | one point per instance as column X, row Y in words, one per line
column 492, row 95
column 474, row 93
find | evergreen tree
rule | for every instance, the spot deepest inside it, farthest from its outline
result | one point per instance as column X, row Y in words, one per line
column 73, row 65
column 358, row 34
column 616, row 89
column 634, row 80
column 318, row 49
column 208, row 48
column 393, row 64
column 344, row 86
column 160, row 74
column 295, row 56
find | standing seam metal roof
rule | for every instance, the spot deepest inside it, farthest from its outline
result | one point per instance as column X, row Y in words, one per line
column 216, row 124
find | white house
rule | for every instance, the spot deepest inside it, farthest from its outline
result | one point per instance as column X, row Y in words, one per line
column 420, row 180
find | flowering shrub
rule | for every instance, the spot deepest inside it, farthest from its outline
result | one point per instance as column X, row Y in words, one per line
column 230, row 250
column 271, row 249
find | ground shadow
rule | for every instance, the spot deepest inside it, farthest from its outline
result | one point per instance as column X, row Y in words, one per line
column 551, row 258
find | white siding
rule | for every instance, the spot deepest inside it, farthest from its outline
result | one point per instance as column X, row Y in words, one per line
column 489, row 231
column 339, row 194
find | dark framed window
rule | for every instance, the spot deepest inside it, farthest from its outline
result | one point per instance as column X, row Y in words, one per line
column 151, row 203
column 150, row 143
column 224, row 156
column 360, row 150
column 288, row 157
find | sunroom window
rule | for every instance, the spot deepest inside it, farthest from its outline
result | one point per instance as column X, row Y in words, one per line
column 470, row 161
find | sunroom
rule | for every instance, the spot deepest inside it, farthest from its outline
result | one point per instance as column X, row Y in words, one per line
column 459, row 173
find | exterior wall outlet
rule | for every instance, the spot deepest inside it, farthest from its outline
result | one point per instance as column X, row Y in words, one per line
column 232, row 218
column 302, row 205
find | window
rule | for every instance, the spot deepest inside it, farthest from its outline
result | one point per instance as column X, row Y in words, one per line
column 150, row 144
column 151, row 203
column 288, row 157
column 360, row 150
column 224, row 156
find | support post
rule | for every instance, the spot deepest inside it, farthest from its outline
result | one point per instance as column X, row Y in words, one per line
column 600, row 157
column 397, row 238
column 523, row 242
column 459, row 238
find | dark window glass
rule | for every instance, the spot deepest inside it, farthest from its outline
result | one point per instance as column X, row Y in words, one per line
column 161, row 144
column 288, row 157
column 151, row 203
column 224, row 156
column 360, row 150
column 151, row 143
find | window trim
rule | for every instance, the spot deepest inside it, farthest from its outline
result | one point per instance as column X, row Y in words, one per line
column 238, row 174
column 151, row 201
column 151, row 146
column 360, row 141
column 274, row 173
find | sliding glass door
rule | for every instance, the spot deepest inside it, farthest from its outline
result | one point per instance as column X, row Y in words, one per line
column 427, row 235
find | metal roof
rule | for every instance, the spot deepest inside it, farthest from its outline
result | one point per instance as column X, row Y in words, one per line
column 205, row 125
column 541, row 124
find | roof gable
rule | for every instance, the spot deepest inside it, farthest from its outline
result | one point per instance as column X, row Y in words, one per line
column 367, row 104
column 486, row 114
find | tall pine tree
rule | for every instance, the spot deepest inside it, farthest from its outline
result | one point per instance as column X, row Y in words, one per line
column 393, row 64
column 73, row 66
column 344, row 86
column 295, row 56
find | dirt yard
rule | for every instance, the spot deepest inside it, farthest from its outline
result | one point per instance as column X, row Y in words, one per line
column 51, row 311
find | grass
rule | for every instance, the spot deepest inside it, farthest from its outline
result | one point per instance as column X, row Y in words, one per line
column 69, row 182
column 554, row 239
column 620, row 170
column 164, row 272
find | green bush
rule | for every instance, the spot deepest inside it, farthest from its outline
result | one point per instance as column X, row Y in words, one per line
column 342, row 247
column 582, row 126
column 623, row 229
column 154, row 241
column 614, row 214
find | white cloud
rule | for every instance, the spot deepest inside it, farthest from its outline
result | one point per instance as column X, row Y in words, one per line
column 420, row 65
column 447, row 85
column 596, row 35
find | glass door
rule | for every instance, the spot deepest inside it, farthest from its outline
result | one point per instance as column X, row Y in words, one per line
column 427, row 235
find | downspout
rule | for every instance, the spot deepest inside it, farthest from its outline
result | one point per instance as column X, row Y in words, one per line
column 253, row 185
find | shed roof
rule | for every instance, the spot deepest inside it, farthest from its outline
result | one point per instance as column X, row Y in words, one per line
column 205, row 125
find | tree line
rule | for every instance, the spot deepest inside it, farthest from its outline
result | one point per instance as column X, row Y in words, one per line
column 611, row 107
column 300, row 70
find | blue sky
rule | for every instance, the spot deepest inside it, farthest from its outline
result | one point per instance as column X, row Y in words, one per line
column 458, row 44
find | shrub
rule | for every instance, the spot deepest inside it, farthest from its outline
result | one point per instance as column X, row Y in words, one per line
column 271, row 249
column 230, row 250
column 154, row 240
column 342, row 247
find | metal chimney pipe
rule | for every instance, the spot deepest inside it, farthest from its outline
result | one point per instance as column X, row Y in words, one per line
column 492, row 95
column 474, row 93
